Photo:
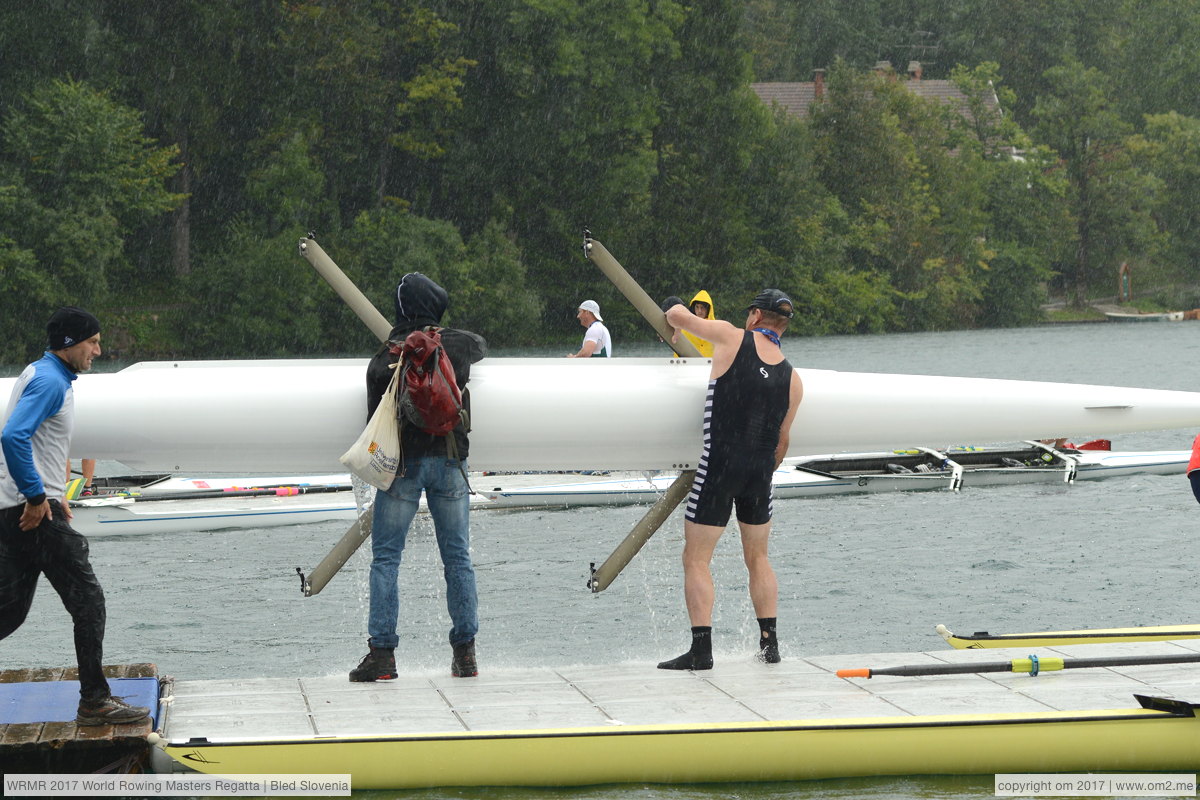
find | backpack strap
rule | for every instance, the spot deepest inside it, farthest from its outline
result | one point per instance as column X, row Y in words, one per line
column 397, row 376
column 463, row 415
column 452, row 452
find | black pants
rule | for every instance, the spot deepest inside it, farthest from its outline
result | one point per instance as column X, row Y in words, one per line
column 55, row 550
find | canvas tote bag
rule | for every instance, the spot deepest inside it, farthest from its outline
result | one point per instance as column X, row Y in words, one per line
column 375, row 455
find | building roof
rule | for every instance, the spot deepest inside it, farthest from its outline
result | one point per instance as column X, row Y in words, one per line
column 795, row 98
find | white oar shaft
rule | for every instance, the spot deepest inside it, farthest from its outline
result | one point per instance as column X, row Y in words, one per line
column 658, row 513
column 642, row 531
column 378, row 325
column 339, row 555
column 634, row 293
column 358, row 302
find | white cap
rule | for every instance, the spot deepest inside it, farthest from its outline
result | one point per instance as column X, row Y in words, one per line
column 592, row 306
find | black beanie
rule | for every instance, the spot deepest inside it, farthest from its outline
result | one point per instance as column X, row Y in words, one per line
column 70, row 326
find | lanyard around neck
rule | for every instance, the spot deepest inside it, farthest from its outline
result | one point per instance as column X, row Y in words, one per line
column 770, row 334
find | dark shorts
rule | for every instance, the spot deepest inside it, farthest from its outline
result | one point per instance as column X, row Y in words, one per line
column 727, row 477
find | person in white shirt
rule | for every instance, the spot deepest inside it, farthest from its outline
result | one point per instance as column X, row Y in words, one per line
column 596, row 341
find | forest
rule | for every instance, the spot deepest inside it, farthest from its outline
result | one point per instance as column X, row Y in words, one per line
column 160, row 160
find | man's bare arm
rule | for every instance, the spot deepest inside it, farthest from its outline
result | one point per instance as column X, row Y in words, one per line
column 795, row 395
column 586, row 351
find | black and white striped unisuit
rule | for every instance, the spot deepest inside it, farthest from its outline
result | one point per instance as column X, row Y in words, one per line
column 743, row 412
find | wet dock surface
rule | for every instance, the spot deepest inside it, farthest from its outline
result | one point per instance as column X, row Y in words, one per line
column 639, row 694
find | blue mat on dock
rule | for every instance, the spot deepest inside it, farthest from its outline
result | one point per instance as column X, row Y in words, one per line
column 57, row 701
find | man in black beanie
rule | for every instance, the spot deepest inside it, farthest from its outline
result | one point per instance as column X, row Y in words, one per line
column 35, row 536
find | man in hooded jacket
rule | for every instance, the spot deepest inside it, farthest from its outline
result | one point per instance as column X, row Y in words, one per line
column 701, row 306
column 426, row 466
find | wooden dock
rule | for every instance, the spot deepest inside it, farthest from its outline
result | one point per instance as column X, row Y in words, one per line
column 57, row 744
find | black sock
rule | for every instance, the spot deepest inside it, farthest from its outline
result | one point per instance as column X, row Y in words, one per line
column 768, row 641
column 700, row 656
column 702, row 641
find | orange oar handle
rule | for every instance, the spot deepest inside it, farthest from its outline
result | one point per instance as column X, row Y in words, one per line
column 854, row 673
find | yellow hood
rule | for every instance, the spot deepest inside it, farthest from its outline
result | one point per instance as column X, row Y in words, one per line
column 702, row 297
column 705, row 347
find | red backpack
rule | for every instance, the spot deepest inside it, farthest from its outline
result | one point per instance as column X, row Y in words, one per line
column 428, row 394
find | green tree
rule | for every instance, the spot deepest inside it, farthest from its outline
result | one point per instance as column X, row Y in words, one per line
column 204, row 74
column 494, row 297
column 1156, row 66
column 380, row 83
column 489, row 293
column 253, row 294
column 1111, row 200
column 1023, row 198
column 710, row 130
column 556, row 134
column 803, row 242
column 914, row 204
column 79, row 176
column 254, row 298
column 789, row 39
column 1169, row 148
column 1028, row 37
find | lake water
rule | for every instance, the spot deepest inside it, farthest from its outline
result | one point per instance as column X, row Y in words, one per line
column 857, row 574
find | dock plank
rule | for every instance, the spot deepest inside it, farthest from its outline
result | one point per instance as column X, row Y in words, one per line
column 61, row 745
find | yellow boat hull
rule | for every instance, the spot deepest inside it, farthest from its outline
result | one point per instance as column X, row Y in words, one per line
column 1130, row 740
column 1155, row 633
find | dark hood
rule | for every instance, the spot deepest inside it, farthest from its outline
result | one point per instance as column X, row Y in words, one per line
column 419, row 301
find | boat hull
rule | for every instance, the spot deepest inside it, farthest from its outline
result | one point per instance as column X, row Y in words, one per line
column 1152, row 633
column 791, row 483
column 1163, row 316
column 124, row 505
column 1125, row 740
column 190, row 516
column 742, row 720
column 552, row 414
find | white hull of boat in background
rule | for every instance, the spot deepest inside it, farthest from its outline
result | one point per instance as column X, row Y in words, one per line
column 857, row 473
column 193, row 516
column 124, row 505
column 1149, row 316
column 141, row 510
column 565, row 414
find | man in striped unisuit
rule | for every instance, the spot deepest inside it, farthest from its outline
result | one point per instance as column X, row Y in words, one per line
column 753, row 395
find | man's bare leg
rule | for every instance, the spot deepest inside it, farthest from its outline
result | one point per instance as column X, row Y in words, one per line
column 699, row 543
column 764, row 588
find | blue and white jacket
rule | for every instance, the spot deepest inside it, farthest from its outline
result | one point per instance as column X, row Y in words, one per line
column 36, row 440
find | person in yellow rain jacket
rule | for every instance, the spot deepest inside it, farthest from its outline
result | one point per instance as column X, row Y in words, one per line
column 701, row 306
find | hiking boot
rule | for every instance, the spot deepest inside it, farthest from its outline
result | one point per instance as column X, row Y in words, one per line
column 110, row 711
column 377, row 665
column 463, row 664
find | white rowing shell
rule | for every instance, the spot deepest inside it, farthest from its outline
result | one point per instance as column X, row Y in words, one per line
column 547, row 414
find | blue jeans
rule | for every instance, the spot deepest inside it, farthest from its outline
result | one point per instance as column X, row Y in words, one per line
column 446, row 493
